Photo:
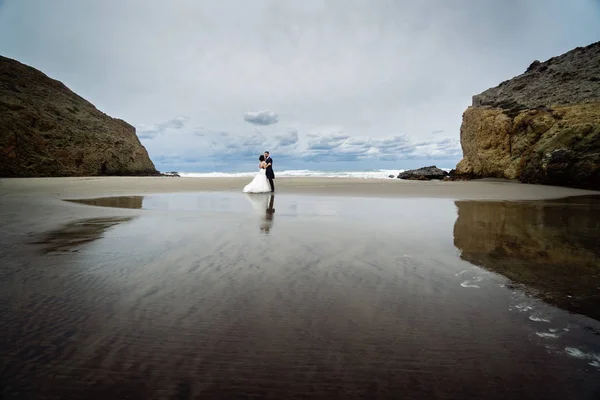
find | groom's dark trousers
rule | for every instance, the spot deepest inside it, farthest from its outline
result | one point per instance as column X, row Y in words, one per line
column 270, row 174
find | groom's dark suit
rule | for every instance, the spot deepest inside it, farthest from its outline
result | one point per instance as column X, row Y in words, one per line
column 269, row 173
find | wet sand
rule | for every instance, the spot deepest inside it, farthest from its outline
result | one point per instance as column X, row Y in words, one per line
column 354, row 290
column 112, row 186
column 36, row 204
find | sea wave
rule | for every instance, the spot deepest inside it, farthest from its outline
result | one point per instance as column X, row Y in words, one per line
column 372, row 174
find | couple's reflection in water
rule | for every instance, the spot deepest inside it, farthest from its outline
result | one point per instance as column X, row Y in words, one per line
column 264, row 205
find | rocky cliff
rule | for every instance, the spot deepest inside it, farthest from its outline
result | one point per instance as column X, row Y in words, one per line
column 47, row 130
column 540, row 127
column 551, row 247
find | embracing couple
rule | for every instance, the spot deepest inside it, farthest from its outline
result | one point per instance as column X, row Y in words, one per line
column 263, row 181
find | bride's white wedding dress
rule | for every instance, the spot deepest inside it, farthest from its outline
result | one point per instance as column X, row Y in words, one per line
column 260, row 184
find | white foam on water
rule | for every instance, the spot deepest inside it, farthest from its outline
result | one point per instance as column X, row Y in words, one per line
column 460, row 273
column 302, row 173
column 547, row 335
column 470, row 283
column 594, row 359
column 523, row 307
column 538, row 318
column 575, row 352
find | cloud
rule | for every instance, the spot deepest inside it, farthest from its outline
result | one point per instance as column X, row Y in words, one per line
column 177, row 122
column 152, row 131
column 341, row 147
column 172, row 143
column 265, row 117
column 148, row 133
column 349, row 76
column 327, row 141
column 236, row 151
column 290, row 138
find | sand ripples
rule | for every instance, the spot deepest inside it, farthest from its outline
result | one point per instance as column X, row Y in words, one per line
column 207, row 307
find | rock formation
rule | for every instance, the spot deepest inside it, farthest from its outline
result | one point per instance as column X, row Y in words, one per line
column 540, row 127
column 551, row 247
column 423, row 174
column 47, row 130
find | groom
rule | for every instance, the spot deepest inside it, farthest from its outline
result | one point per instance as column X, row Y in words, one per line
column 269, row 170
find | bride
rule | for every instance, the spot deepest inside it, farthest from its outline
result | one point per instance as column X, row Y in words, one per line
column 259, row 184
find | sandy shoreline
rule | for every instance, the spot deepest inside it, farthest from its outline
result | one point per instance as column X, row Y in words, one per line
column 80, row 187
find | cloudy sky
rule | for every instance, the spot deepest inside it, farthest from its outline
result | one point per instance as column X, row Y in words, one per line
column 338, row 84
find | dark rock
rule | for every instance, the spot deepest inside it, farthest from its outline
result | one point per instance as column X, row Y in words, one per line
column 47, row 130
column 172, row 174
column 423, row 174
column 540, row 127
column 453, row 175
column 563, row 80
column 563, row 167
column 533, row 66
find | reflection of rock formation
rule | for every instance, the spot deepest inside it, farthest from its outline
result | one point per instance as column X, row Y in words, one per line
column 551, row 246
column 117, row 202
column 77, row 233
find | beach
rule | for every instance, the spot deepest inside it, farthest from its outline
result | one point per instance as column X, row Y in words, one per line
column 498, row 189
column 330, row 288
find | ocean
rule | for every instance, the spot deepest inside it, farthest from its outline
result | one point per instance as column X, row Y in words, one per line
column 294, row 173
